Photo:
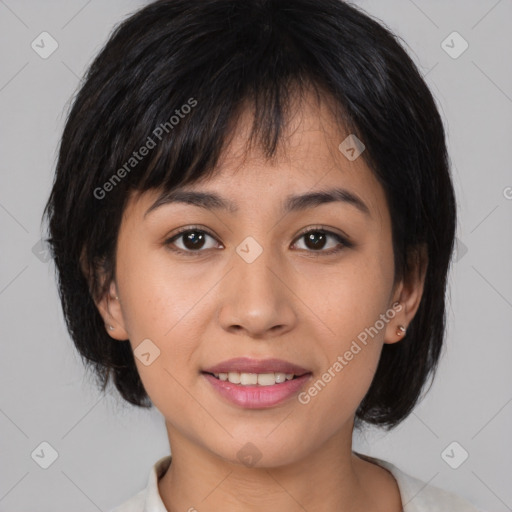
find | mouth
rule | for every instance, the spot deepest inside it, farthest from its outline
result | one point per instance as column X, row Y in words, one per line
column 254, row 383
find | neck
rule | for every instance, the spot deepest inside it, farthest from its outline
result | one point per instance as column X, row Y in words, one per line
column 331, row 479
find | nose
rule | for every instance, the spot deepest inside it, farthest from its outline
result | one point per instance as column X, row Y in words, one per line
column 256, row 299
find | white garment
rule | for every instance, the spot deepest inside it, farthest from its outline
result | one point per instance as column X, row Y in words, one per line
column 416, row 495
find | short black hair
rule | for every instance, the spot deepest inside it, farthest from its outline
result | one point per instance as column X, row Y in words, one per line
column 174, row 77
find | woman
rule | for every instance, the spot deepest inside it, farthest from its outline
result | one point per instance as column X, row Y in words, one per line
column 252, row 221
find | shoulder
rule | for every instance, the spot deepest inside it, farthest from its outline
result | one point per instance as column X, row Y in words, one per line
column 147, row 499
column 419, row 496
column 134, row 504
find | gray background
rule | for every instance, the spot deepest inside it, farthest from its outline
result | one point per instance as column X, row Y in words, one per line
column 105, row 448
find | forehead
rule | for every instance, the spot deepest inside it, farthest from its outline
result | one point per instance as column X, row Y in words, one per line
column 307, row 159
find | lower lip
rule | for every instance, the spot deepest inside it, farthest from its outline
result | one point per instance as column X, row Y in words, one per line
column 257, row 397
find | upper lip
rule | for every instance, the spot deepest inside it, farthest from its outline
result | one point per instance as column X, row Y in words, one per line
column 248, row 365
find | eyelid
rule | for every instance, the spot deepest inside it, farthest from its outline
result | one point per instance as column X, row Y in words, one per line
column 193, row 227
column 326, row 229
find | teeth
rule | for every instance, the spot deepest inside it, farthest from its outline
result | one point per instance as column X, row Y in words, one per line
column 248, row 379
column 269, row 379
column 252, row 379
column 234, row 377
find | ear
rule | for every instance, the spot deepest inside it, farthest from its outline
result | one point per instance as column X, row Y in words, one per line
column 110, row 309
column 408, row 293
column 109, row 305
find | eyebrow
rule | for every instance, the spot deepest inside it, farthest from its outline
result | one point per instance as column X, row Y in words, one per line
column 292, row 203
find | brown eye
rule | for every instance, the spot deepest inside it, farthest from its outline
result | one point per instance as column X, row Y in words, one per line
column 192, row 241
column 316, row 240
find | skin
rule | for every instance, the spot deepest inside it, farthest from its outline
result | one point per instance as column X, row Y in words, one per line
column 291, row 303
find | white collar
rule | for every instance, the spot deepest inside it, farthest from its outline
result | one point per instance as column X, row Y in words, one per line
column 416, row 495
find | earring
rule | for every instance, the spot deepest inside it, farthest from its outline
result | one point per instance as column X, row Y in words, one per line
column 111, row 327
column 401, row 330
column 117, row 298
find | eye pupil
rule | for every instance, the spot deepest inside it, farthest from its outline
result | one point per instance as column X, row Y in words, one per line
column 189, row 238
column 310, row 237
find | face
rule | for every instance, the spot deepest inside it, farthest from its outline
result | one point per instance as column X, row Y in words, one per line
column 253, row 283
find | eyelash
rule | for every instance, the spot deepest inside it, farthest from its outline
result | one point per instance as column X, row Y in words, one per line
column 317, row 229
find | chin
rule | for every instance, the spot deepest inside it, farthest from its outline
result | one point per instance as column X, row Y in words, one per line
column 260, row 451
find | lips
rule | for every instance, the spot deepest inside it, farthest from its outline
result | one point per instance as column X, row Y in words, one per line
column 248, row 365
column 257, row 397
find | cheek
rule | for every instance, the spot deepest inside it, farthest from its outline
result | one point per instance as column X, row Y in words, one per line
column 351, row 347
column 334, row 397
column 158, row 293
column 350, row 303
column 348, row 297
column 163, row 304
